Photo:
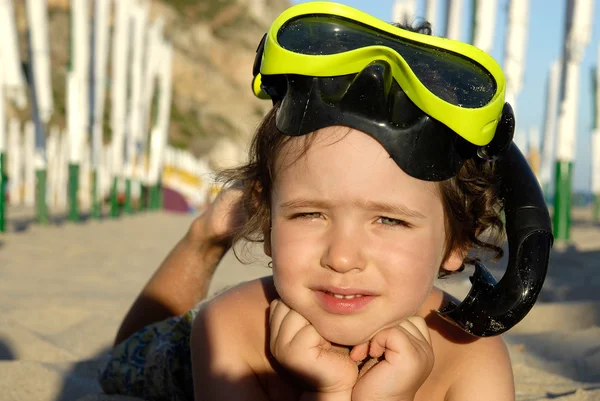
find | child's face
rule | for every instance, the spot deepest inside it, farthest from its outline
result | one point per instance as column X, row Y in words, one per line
column 346, row 220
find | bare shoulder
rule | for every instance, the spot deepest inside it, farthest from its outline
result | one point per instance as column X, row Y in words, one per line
column 227, row 342
column 472, row 368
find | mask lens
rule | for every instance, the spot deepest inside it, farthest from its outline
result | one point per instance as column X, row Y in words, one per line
column 450, row 76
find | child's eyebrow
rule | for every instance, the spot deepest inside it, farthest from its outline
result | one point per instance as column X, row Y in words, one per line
column 383, row 207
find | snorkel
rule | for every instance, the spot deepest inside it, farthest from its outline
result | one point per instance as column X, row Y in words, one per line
column 425, row 141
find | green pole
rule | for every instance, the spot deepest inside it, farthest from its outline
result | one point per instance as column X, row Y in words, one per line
column 562, row 200
column 128, row 204
column 114, row 198
column 155, row 196
column 41, row 207
column 596, row 207
column 96, row 212
column 73, row 189
column 2, row 194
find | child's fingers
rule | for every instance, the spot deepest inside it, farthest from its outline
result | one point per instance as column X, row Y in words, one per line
column 416, row 326
column 359, row 352
column 292, row 323
column 277, row 312
column 308, row 338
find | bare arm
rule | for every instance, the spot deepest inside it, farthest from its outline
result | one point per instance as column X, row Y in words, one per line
column 183, row 278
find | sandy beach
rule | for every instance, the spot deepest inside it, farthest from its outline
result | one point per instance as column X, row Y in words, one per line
column 65, row 287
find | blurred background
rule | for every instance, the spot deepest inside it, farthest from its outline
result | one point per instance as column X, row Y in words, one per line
column 117, row 106
column 115, row 114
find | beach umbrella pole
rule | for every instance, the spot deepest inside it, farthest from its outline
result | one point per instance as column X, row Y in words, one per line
column 577, row 37
column 595, row 173
column 39, row 71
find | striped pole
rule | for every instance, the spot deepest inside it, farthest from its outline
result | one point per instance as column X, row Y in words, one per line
column 2, row 153
column 160, row 133
column 577, row 36
column 99, row 64
column 41, row 95
column 549, row 138
column 134, row 149
column 120, row 61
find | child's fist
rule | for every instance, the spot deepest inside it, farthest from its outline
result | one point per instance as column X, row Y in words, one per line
column 299, row 348
column 408, row 360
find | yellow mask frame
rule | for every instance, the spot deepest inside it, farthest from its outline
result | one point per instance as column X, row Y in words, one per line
column 476, row 124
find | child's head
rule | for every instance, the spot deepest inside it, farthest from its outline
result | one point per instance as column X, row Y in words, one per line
column 356, row 241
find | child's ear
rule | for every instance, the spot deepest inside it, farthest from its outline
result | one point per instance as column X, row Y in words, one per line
column 267, row 243
column 455, row 259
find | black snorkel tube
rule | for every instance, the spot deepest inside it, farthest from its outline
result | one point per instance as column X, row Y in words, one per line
column 491, row 308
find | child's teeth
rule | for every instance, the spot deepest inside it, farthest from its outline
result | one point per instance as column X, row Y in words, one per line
column 347, row 296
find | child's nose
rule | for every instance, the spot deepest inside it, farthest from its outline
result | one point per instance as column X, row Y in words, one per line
column 343, row 251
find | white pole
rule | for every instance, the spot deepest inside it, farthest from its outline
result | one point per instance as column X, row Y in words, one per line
column 161, row 132
column 404, row 11
column 120, row 60
column 15, row 161
column 29, row 163
column 139, row 15
column 514, row 49
column 37, row 14
column 431, row 13
column 153, row 62
column 74, row 125
column 454, row 11
column 81, row 57
column 485, row 24
column 14, row 80
column 101, row 14
column 578, row 38
column 549, row 141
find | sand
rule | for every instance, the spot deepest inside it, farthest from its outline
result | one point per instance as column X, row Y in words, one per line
column 65, row 287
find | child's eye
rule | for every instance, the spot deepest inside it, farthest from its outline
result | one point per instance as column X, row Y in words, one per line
column 309, row 215
column 388, row 221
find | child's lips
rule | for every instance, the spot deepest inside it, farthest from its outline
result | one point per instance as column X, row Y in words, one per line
column 343, row 302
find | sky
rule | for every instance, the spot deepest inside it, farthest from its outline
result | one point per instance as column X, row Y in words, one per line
column 544, row 46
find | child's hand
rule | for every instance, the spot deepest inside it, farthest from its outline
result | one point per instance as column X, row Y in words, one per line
column 300, row 349
column 220, row 219
column 407, row 364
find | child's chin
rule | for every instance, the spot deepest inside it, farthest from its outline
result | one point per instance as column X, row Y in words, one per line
column 345, row 336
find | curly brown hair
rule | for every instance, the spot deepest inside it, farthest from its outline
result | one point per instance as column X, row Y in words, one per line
column 470, row 199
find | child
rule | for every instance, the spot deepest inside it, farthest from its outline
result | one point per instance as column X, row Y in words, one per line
column 357, row 227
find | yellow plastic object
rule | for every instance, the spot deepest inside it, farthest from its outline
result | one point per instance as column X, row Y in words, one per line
column 476, row 125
